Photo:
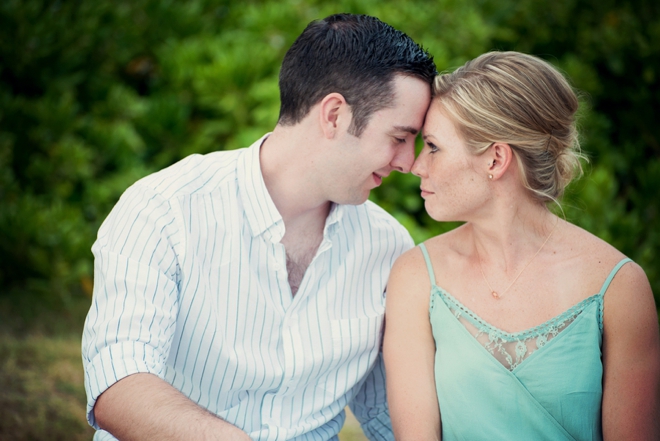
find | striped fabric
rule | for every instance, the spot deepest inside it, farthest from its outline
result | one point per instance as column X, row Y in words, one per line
column 191, row 285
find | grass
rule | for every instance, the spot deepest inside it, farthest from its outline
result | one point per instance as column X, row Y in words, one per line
column 42, row 396
column 41, row 389
column 351, row 430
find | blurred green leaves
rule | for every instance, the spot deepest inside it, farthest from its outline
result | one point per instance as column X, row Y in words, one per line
column 96, row 94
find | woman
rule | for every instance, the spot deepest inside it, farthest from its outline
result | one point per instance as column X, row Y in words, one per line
column 538, row 329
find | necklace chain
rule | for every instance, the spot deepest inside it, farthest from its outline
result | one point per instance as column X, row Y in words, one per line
column 494, row 293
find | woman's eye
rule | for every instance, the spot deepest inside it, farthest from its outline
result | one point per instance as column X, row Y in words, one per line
column 432, row 147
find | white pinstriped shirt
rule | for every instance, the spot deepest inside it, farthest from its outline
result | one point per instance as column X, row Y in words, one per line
column 190, row 284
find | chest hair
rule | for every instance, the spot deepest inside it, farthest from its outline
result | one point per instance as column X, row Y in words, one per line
column 296, row 269
column 298, row 257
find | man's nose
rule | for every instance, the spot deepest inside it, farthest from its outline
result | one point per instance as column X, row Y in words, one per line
column 403, row 160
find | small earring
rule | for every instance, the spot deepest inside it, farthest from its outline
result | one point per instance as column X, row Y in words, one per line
column 490, row 176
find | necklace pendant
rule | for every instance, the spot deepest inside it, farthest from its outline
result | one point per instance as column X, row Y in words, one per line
column 495, row 295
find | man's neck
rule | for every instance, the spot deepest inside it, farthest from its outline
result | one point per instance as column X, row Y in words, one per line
column 287, row 167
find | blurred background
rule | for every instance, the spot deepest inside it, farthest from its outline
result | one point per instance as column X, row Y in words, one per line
column 95, row 94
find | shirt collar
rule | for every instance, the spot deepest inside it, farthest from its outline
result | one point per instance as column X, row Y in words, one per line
column 260, row 210
column 334, row 218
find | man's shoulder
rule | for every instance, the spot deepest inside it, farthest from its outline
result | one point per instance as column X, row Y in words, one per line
column 194, row 174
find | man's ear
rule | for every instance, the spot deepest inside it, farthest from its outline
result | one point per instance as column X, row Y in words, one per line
column 334, row 114
column 498, row 157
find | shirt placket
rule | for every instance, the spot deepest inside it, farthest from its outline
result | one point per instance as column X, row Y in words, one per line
column 293, row 349
column 295, row 343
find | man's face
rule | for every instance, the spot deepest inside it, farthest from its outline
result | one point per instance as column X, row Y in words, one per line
column 387, row 143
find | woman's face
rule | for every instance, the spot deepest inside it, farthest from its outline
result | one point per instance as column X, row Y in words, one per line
column 454, row 182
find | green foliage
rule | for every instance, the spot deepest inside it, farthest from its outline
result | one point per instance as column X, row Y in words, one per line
column 96, row 94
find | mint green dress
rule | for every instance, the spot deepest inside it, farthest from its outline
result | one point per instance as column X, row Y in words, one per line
column 544, row 383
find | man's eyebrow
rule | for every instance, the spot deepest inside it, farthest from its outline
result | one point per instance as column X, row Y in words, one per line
column 408, row 129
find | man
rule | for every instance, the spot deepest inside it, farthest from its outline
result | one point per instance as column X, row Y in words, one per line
column 239, row 295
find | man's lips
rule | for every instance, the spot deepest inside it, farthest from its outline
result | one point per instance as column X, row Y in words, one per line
column 378, row 178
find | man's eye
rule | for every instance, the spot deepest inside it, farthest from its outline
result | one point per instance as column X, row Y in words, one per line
column 400, row 140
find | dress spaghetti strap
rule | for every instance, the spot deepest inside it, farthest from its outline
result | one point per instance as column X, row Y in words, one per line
column 615, row 270
column 606, row 285
column 429, row 267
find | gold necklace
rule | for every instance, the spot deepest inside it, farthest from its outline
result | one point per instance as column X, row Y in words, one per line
column 492, row 291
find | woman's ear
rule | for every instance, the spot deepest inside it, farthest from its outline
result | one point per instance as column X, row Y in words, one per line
column 498, row 156
column 334, row 114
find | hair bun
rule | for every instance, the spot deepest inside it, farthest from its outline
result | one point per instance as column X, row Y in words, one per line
column 525, row 102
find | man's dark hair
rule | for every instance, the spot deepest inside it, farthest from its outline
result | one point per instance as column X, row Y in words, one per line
column 354, row 55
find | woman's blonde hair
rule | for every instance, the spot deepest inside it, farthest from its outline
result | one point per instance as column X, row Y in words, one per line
column 522, row 101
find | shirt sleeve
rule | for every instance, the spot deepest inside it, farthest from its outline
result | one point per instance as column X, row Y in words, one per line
column 130, row 324
column 370, row 405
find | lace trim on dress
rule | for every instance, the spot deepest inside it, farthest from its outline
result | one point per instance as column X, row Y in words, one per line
column 510, row 349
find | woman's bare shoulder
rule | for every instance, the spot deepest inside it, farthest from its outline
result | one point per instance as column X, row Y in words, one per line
column 411, row 272
column 584, row 262
column 409, row 285
column 588, row 254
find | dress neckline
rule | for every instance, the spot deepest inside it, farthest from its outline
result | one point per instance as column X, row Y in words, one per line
column 573, row 311
column 531, row 332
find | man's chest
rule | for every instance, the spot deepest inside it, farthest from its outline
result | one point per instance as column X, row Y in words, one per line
column 241, row 311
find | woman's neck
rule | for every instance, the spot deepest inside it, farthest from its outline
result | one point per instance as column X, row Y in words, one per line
column 510, row 237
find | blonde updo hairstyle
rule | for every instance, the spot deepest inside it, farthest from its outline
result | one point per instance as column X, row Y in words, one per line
column 523, row 101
